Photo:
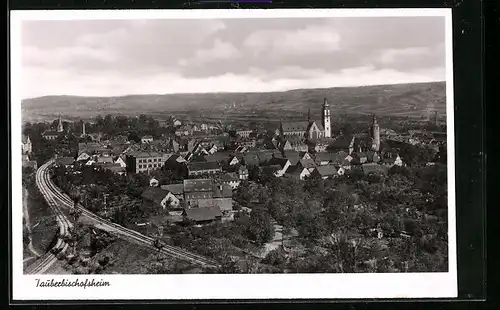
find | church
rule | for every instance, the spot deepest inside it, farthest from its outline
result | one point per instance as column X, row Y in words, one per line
column 311, row 130
column 314, row 130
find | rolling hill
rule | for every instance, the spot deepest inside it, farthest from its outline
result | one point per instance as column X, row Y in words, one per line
column 414, row 100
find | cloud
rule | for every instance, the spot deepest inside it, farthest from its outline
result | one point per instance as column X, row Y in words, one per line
column 108, row 83
column 219, row 51
column 116, row 57
column 64, row 56
column 390, row 56
column 308, row 40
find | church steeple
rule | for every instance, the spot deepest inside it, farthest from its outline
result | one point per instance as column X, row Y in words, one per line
column 309, row 114
column 375, row 134
column 326, row 119
column 60, row 127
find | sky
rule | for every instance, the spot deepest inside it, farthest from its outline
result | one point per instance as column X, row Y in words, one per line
column 162, row 56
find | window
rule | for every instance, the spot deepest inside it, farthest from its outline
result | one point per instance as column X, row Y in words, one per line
column 149, row 160
column 149, row 165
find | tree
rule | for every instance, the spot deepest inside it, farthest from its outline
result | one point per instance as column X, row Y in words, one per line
column 260, row 230
column 158, row 244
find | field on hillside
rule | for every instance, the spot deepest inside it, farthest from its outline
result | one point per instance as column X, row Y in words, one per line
column 414, row 100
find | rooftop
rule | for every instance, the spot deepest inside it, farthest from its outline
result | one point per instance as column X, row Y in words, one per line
column 224, row 204
column 198, row 185
column 200, row 166
column 155, row 194
column 176, row 189
column 203, row 214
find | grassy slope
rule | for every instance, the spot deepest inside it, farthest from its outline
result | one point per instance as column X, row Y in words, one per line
column 43, row 233
column 401, row 99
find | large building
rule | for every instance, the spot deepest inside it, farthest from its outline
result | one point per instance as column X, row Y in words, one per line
column 311, row 129
column 144, row 161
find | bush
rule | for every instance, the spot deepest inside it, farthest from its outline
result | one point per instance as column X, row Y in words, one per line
column 275, row 257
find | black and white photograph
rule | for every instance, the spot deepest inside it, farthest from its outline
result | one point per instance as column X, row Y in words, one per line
column 233, row 154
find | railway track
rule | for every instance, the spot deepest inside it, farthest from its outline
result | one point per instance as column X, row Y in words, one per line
column 121, row 231
column 49, row 258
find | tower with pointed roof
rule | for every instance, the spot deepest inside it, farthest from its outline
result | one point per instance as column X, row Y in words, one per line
column 375, row 134
column 83, row 130
column 326, row 119
column 60, row 127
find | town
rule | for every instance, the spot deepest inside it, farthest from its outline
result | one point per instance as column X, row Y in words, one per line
column 268, row 197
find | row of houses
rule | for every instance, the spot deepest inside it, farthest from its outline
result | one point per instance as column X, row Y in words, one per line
column 199, row 200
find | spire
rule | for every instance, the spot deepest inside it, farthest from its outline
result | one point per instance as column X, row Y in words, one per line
column 309, row 114
column 374, row 119
column 325, row 102
column 60, row 127
column 83, row 129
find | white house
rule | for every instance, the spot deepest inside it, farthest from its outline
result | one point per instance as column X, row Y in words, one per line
column 154, row 182
column 234, row 161
column 146, row 139
column 119, row 160
column 83, row 156
column 213, row 149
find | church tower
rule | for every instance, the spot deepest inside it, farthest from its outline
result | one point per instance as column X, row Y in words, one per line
column 83, row 130
column 60, row 127
column 326, row 119
column 375, row 133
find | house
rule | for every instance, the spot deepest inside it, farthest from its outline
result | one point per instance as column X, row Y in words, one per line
column 326, row 158
column 230, row 179
column 224, row 204
column 120, row 160
column 244, row 133
column 104, row 159
column 293, row 157
column 358, row 158
column 144, row 161
column 177, row 122
column 204, row 127
column 176, row 189
column 26, row 144
column 283, row 164
column 51, row 134
column 222, row 190
column 115, row 168
column 392, row 161
column 246, row 144
column 243, row 173
column 195, row 189
column 154, row 182
column 343, row 143
column 83, row 156
column 157, row 197
column 309, row 164
column 372, row 157
column 197, row 168
column 234, row 161
column 146, row 139
column 66, row 162
column 325, row 172
column 212, row 149
column 297, row 172
column 203, row 215
column 221, row 157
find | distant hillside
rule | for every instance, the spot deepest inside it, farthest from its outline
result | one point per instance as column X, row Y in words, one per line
column 402, row 99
